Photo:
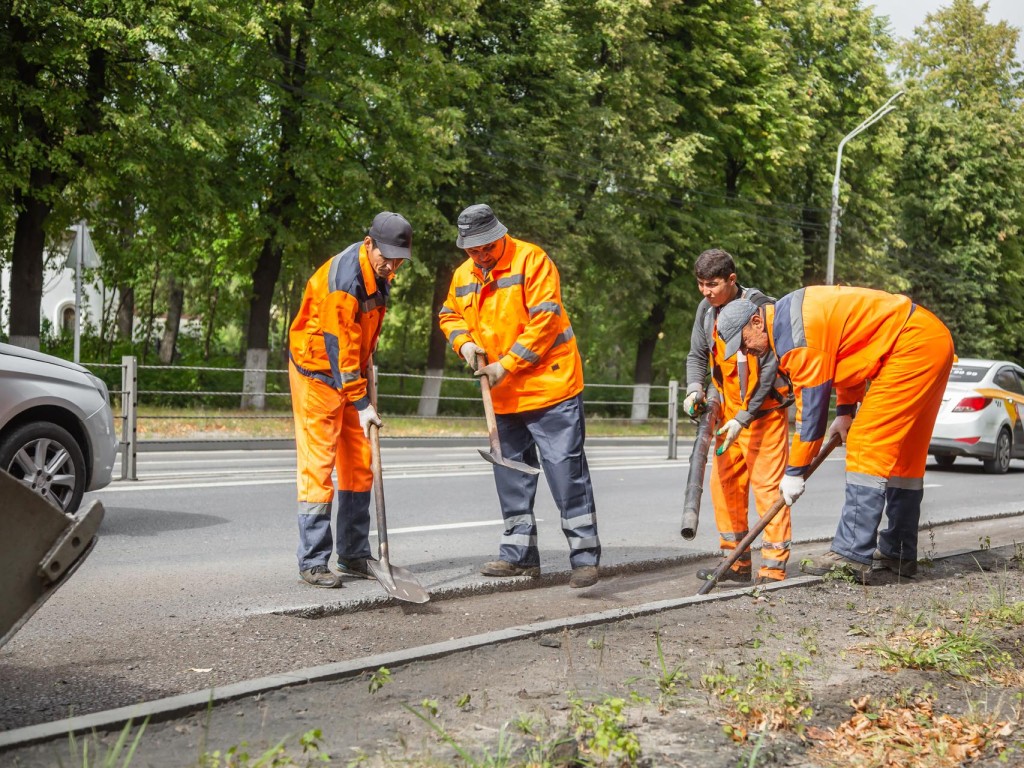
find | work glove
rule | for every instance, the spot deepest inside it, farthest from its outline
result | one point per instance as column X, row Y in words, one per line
column 731, row 430
column 693, row 404
column 791, row 488
column 841, row 426
column 369, row 416
column 494, row 372
column 469, row 352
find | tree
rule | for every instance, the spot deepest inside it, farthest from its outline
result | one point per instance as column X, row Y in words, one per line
column 960, row 187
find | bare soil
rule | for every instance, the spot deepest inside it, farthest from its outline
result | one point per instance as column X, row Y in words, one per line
column 769, row 677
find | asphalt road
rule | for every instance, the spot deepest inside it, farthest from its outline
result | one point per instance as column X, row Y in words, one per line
column 212, row 533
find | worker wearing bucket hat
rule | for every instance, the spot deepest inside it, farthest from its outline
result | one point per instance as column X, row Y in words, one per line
column 505, row 302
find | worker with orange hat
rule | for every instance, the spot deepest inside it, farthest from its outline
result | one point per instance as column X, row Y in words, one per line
column 841, row 339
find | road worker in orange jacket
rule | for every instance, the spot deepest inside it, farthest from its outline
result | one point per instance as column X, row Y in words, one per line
column 330, row 349
column 505, row 303
column 842, row 339
column 752, row 443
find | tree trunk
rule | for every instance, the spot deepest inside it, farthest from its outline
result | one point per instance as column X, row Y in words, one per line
column 27, row 263
column 643, row 372
column 175, row 301
column 264, row 278
column 430, row 394
column 126, row 312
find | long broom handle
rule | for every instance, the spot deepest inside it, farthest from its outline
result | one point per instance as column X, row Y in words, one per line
column 773, row 510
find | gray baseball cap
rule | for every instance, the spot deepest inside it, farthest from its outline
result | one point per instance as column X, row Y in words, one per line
column 732, row 319
column 392, row 234
column 479, row 226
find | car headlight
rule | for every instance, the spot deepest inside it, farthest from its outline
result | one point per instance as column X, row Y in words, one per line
column 100, row 385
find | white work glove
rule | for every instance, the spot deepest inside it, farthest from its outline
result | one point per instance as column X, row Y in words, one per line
column 731, row 430
column 840, row 425
column 692, row 402
column 369, row 416
column 469, row 352
column 791, row 488
column 494, row 372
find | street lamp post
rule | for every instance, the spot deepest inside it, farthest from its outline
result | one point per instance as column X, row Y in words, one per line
column 833, row 221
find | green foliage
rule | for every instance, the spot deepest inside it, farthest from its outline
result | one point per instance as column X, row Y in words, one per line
column 90, row 753
column 277, row 756
column 602, row 730
column 379, row 679
column 768, row 694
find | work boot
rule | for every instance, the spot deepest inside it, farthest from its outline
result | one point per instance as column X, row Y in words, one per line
column 833, row 562
column 760, row 581
column 583, row 576
column 880, row 562
column 707, row 574
column 354, row 567
column 321, row 576
column 505, row 568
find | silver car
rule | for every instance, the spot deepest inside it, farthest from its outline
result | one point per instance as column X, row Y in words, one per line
column 56, row 427
column 980, row 417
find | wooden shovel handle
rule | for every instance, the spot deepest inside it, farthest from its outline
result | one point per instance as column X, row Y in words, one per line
column 773, row 510
column 492, row 421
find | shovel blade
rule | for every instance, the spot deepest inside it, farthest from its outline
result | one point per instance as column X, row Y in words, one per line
column 510, row 463
column 398, row 582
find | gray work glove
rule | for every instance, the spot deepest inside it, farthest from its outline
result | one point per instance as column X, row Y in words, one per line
column 841, row 426
column 369, row 416
column 494, row 372
column 791, row 488
column 693, row 404
column 470, row 352
column 731, row 430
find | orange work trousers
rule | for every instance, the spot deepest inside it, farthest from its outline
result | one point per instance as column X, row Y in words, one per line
column 755, row 461
column 328, row 439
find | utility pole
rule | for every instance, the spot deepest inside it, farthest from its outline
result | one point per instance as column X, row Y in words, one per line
column 833, row 221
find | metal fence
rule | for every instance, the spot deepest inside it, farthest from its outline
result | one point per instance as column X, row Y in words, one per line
column 430, row 404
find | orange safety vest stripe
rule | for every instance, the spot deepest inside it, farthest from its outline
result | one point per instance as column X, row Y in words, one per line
column 831, row 337
column 515, row 315
column 335, row 331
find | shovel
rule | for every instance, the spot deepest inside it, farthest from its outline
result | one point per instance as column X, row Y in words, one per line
column 773, row 510
column 494, row 455
column 397, row 581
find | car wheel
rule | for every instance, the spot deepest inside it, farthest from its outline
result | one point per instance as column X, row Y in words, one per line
column 1000, row 463
column 47, row 459
column 945, row 461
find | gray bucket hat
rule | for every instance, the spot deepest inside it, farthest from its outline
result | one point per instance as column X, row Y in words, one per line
column 479, row 226
column 732, row 319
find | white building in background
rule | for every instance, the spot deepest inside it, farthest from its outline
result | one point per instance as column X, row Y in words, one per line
column 58, row 304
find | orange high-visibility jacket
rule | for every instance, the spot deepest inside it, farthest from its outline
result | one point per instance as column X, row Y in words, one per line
column 337, row 325
column 831, row 337
column 515, row 315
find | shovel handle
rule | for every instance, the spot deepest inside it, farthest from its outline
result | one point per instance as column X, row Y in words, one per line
column 761, row 524
column 378, row 479
column 492, row 421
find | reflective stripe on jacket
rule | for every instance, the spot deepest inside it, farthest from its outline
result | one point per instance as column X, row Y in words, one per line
column 336, row 328
column 831, row 337
column 515, row 315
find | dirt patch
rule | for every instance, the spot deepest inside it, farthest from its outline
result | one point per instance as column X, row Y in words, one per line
column 772, row 677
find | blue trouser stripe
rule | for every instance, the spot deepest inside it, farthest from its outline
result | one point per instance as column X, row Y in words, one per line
column 903, row 509
column 559, row 433
column 353, row 529
column 858, row 524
